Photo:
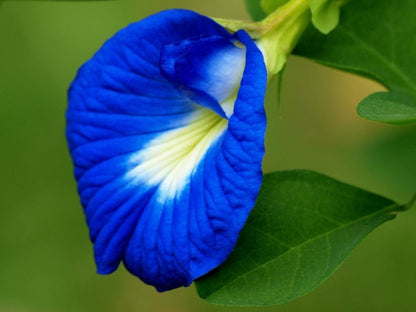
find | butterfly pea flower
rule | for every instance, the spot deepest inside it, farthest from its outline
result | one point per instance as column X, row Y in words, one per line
column 165, row 126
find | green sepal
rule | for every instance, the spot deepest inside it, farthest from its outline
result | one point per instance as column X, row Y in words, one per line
column 325, row 14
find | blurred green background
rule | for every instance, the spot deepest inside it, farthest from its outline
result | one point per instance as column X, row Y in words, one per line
column 46, row 261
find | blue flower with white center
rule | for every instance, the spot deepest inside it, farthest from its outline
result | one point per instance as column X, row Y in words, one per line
column 165, row 126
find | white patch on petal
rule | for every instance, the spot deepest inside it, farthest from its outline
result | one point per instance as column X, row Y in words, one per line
column 228, row 104
column 224, row 71
column 170, row 159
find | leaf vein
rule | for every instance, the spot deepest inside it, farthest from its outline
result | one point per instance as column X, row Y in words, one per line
column 390, row 208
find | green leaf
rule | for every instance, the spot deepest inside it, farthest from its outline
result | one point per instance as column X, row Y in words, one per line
column 325, row 14
column 302, row 228
column 255, row 9
column 376, row 39
column 270, row 6
column 396, row 108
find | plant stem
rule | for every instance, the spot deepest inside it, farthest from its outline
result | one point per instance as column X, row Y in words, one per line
column 284, row 14
column 277, row 34
column 290, row 11
column 410, row 203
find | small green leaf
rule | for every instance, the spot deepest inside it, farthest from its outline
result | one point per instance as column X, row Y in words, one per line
column 388, row 107
column 325, row 14
column 302, row 228
column 255, row 9
column 270, row 6
column 376, row 39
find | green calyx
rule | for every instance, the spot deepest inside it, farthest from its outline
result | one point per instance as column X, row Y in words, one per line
column 325, row 13
column 277, row 34
column 283, row 30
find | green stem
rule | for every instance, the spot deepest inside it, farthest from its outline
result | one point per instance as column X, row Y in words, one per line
column 277, row 34
column 281, row 31
column 283, row 15
column 278, row 19
column 410, row 203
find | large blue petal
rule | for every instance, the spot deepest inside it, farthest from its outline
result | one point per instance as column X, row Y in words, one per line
column 166, row 178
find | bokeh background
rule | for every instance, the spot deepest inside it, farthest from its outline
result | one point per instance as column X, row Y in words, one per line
column 46, row 261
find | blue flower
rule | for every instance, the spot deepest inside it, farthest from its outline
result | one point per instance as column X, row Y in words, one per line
column 165, row 126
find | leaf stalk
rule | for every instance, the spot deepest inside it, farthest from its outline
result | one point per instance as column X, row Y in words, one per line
column 410, row 203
